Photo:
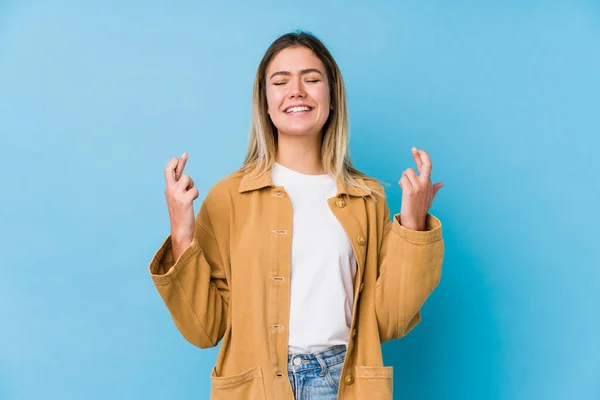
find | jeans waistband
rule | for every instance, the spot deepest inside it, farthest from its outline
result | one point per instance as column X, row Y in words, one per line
column 330, row 356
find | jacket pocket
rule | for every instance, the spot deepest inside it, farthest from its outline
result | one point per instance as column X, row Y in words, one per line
column 374, row 383
column 246, row 385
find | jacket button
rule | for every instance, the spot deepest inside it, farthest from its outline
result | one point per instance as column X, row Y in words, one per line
column 353, row 333
column 361, row 239
column 340, row 203
column 349, row 379
column 362, row 286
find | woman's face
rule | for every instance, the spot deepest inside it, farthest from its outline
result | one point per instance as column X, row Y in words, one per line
column 297, row 92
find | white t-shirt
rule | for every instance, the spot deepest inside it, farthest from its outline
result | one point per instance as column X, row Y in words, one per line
column 323, row 264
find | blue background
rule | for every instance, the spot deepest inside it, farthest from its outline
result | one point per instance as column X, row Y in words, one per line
column 96, row 97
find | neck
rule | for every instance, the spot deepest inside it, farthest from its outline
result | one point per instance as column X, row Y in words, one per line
column 300, row 153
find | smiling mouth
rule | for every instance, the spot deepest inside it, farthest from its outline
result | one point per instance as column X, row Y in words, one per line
column 298, row 110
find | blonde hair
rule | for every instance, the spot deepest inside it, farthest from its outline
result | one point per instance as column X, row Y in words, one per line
column 262, row 145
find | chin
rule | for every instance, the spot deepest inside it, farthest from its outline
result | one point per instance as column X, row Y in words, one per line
column 300, row 130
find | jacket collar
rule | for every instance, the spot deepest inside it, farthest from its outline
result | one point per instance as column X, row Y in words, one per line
column 253, row 180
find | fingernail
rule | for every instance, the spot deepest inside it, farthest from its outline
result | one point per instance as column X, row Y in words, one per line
column 414, row 149
column 183, row 155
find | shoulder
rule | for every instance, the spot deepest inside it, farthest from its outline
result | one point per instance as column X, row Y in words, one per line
column 365, row 181
column 379, row 205
column 226, row 187
column 223, row 194
column 216, row 207
column 375, row 186
column 377, row 197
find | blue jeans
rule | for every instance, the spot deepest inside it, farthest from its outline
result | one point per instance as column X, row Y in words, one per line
column 316, row 376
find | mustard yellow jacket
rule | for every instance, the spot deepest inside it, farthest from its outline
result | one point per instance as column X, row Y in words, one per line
column 233, row 283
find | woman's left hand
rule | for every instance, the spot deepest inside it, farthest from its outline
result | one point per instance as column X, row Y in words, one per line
column 417, row 192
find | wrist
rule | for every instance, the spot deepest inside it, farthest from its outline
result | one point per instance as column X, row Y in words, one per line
column 179, row 239
column 411, row 224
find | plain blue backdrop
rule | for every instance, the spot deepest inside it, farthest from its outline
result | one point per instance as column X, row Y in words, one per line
column 96, row 97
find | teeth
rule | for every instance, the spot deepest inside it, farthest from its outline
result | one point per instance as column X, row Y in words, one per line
column 298, row 109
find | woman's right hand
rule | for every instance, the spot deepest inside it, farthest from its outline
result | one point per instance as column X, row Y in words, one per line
column 180, row 194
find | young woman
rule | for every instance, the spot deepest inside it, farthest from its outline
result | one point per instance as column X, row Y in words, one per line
column 292, row 261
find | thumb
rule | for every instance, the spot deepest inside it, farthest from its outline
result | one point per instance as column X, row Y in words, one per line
column 437, row 187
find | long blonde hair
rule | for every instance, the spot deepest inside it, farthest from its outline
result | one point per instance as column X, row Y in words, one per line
column 262, row 145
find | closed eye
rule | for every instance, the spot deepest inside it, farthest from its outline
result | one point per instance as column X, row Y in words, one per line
column 309, row 81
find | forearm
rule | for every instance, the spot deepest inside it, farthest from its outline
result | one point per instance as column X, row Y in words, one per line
column 193, row 291
column 179, row 245
column 410, row 268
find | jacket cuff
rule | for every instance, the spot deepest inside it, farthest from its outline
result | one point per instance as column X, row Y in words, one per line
column 162, row 269
column 432, row 232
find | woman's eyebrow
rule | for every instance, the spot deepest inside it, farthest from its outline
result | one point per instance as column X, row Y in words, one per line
column 302, row 72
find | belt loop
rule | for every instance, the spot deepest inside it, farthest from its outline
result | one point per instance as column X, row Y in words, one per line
column 322, row 363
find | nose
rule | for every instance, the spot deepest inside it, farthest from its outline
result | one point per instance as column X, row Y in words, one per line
column 296, row 89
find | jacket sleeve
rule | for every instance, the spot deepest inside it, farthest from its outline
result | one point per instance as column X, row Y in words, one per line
column 194, row 287
column 410, row 264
